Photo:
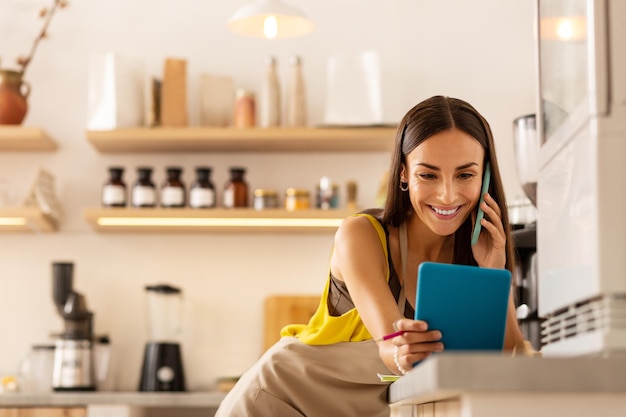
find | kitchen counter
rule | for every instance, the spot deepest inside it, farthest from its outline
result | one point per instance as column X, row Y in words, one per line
column 488, row 385
column 136, row 399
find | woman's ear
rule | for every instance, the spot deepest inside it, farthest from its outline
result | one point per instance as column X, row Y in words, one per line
column 403, row 176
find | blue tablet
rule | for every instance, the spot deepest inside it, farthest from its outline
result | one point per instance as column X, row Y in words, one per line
column 468, row 304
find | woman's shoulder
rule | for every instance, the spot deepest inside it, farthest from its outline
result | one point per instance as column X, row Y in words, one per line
column 366, row 223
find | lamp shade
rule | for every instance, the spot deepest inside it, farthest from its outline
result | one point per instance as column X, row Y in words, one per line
column 270, row 19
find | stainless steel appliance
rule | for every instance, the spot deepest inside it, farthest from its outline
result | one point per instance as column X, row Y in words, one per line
column 526, row 146
column 73, row 368
column 162, row 368
column 581, row 191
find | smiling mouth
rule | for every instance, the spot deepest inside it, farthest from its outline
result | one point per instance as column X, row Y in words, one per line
column 445, row 212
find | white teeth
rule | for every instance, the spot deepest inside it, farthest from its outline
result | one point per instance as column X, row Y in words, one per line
column 445, row 212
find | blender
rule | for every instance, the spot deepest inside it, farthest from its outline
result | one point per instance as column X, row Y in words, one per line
column 162, row 368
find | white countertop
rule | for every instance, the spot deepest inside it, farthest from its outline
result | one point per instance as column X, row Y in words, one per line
column 138, row 399
column 450, row 375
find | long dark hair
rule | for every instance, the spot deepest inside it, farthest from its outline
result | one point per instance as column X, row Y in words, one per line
column 427, row 118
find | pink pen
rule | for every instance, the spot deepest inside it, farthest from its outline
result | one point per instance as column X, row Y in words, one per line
column 391, row 336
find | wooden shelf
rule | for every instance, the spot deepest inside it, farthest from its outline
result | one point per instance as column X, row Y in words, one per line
column 25, row 220
column 25, row 139
column 186, row 220
column 161, row 139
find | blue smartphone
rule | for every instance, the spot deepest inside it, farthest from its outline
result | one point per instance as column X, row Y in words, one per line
column 481, row 213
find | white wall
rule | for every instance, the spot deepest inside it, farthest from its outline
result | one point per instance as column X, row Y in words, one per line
column 481, row 51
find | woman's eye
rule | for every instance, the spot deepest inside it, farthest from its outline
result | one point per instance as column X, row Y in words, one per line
column 427, row 176
column 466, row 175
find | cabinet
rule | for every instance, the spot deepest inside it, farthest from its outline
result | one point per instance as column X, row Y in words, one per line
column 25, row 219
column 44, row 412
column 194, row 139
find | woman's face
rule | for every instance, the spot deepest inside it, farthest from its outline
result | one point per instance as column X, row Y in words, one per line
column 445, row 179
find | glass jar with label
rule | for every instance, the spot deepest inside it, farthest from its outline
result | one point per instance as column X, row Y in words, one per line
column 144, row 193
column 202, row 190
column 114, row 190
column 173, row 193
column 297, row 199
column 236, row 189
column 265, row 199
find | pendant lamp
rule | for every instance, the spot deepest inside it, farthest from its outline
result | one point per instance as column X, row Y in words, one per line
column 270, row 19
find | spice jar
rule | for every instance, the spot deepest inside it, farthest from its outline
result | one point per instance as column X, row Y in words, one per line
column 144, row 192
column 202, row 190
column 245, row 109
column 114, row 190
column 173, row 189
column 265, row 199
column 297, row 199
column 236, row 189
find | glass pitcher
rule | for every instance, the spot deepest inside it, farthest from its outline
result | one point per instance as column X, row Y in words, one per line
column 164, row 313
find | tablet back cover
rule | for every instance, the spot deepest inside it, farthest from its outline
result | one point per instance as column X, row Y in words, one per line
column 468, row 304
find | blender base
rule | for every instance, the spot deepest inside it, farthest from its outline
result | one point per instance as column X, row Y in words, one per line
column 162, row 368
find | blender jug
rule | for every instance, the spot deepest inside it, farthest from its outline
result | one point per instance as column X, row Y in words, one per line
column 162, row 368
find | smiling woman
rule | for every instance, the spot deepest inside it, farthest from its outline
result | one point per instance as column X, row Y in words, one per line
column 364, row 324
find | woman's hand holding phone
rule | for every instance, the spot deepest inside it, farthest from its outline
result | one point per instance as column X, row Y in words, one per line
column 488, row 248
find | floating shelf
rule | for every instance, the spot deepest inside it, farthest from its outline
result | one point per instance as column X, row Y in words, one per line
column 188, row 220
column 25, row 220
column 165, row 139
column 25, row 139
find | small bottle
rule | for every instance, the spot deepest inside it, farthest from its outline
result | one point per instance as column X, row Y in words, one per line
column 236, row 189
column 202, row 190
column 114, row 190
column 351, row 194
column 144, row 192
column 269, row 106
column 296, row 95
column 173, row 194
column 245, row 109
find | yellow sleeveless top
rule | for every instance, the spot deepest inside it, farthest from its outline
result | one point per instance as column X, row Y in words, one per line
column 324, row 329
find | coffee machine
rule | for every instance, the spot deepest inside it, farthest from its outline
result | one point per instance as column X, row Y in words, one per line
column 526, row 145
column 73, row 368
column 162, row 368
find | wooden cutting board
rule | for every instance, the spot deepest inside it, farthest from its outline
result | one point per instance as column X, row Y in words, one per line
column 281, row 310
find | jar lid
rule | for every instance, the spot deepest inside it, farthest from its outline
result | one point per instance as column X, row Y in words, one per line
column 237, row 170
column 265, row 192
column 298, row 192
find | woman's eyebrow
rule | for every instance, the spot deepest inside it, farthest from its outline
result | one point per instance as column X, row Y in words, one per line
column 435, row 168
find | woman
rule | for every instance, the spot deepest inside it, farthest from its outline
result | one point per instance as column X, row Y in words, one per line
column 328, row 367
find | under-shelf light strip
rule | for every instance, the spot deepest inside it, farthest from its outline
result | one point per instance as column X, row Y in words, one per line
column 12, row 221
column 217, row 222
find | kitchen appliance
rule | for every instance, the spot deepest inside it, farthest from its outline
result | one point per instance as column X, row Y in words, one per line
column 73, row 368
column 581, row 190
column 162, row 368
column 526, row 146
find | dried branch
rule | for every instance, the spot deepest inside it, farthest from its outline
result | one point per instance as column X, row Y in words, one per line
column 47, row 16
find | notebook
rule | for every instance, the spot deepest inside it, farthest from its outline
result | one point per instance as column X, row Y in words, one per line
column 468, row 304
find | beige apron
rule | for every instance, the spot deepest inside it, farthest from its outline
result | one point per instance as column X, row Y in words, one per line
column 294, row 379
